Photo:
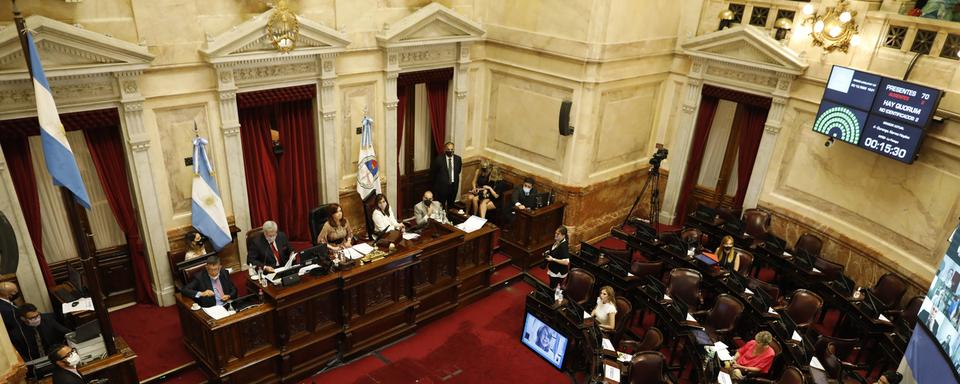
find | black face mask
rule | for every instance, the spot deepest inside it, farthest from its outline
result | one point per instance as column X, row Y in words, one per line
column 449, row 153
column 427, row 202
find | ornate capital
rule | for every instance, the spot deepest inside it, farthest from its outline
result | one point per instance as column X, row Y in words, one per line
column 327, row 83
column 231, row 130
column 329, row 115
column 140, row 146
column 772, row 128
column 133, row 106
column 461, row 94
column 391, row 105
column 687, row 108
column 227, row 95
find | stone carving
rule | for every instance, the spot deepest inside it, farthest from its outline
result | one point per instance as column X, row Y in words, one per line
column 227, row 95
column 687, row 108
column 461, row 94
column 328, row 66
column 275, row 71
column 231, row 131
column 744, row 75
column 392, row 59
column 133, row 106
column 427, row 55
column 140, row 146
column 327, row 83
column 129, row 86
column 391, row 105
column 329, row 115
column 226, row 76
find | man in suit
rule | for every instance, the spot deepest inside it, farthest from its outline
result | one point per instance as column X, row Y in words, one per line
column 269, row 251
column 65, row 361
column 8, row 310
column 429, row 209
column 212, row 286
column 38, row 332
column 524, row 196
column 445, row 171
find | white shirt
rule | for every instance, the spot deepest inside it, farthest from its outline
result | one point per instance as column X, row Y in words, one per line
column 383, row 222
column 450, row 168
column 603, row 311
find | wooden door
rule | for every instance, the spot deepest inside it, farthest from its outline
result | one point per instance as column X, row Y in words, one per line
column 719, row 191
column 413, row 182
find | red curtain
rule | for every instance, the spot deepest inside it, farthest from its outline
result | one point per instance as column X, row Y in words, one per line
column 259, row 163
column 708, row 108
column 17, row 152
column 401, row 110
column 106, row 149
column 437, row 103
column 749, row 144
column 297, row 168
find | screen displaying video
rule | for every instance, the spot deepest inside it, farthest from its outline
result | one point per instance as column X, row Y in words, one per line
column 940, row 315
column 545, row 341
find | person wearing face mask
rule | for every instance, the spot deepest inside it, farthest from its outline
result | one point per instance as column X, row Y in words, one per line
column 211, row 286
column 558, row 258
column 428, row 209
column 8, row 310
column 445, row 172
column 726, row 255
column 195, row 246
column 38, row 332
column 270, row 250
column 525, row 197
column 384, row 221
column 65, row 361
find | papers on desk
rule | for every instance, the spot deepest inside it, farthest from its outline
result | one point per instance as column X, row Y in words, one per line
column 623, row 357
column 747, row 291
column 586, row 315
column 629, row 274
column 82, row 304
column 611, row 373
column 720, row 345
column 410, row 236
column 787, row 254
column 217, row 312
column 357, row 251
column 307, row 269
column 724, row 378
column 884, row 318
column 472, row 223
column 772, row 311
column 724, row 355
column 607, row 344
column 796, row 337
column 665, row 297
column 690, row 317
column 289, row 261
column 814, row 362
column 815, row 270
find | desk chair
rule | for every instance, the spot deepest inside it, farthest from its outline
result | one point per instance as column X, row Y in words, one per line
column 745, row 268
column 839, row 356
column 889, row 289
column 809, row 243
column 652, row 341
column 642, row 269
column 317, row 218
column 579, row 285
column 756, row 224
column 684, row 285
column 772, row 290
column 369, row 205
column 721, row 320
column 624, row 255
column 775, row 368
column 693, row 237
column 803, row 307
column 790, row 375
column 647, row 368
column 622, row 319
column 252, row 234
column 910, row 311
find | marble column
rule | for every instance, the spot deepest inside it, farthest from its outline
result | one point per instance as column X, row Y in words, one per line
column 12, row 368
column 153, row 232
column 768, row 142
column 233, row 149
column 677, row 161
column 29, row 275
column 390, row 122
column 458, row 133
column 330, row 140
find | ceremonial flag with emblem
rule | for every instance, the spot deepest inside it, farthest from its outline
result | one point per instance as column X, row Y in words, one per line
column 368, row 170
column 209, row 216
column 61, row 164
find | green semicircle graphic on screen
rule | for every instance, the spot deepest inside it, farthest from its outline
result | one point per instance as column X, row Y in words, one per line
column 839, row 122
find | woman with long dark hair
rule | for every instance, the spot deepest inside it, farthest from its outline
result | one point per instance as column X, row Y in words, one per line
column 336, row 232
column 558, row 257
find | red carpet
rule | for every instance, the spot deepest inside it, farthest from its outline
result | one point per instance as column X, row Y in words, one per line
column 154, row 334
column 477, row 344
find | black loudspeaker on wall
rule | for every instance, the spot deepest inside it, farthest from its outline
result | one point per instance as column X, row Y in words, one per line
column 564, row 119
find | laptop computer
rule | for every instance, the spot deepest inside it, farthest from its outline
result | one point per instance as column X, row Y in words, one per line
column 87, row 331
column 241, row 303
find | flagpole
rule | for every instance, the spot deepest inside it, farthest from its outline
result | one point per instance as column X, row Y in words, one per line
column 81, row 235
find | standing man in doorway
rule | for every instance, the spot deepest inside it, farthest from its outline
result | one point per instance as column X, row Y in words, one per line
column 445, row 172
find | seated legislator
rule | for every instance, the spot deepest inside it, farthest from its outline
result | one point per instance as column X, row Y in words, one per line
column 524, row 196
column 429, row 209
column 489, row 191
column 38, row 332
column 195, row 247
column 336, row 232
column 558, row 258
column 606, row 310
column 754, row 356
column 65, row 361
column 726, row 254
column 384, row 221
column 270, row 250
column 890, row 377
column 481, row 178
column 212, row 286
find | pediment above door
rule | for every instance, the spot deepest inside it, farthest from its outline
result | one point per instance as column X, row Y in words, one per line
column 433, row 24
column 248, row 41
column 746, row 46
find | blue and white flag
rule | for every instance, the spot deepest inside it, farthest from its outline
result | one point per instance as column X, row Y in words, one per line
column 368, row 170
column 209, row 216
column 61, row 164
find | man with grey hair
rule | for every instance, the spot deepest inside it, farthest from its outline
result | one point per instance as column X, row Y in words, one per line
column 269, row 250
column 8, row 310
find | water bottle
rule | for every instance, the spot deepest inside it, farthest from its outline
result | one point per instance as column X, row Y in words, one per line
column 557, row 294
column 263, row 281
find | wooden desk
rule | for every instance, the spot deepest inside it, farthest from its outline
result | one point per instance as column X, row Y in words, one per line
column 117, row 368
column 531, row 233
column 301, row 328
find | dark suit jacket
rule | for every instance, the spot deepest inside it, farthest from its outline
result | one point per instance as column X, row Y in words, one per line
column 63, row 376
column 51, row 333
column 528, row 200
column 201, row 282
column 562, row 251
column 260, row 254
column 8, row 312
column 441, row 177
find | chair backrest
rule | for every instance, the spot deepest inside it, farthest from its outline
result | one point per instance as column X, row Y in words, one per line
column 831, row 270
column 890, row 289
column 804, row 307
column 579, row 285
column 624, row 314
column 791, row 375
column 643, row 269
column 843, row 347
column 725, row 312
column 251, row 235
column 647, row 368
column 652, row 340
column 746, row 261
column 692, row 237
column 685, row 286
column 756, row 223
column 759, row 285
column 369, row 205
column 625, row 256
column 318, row 217
column 728, row 215
column 809, row 243
column 911, row 310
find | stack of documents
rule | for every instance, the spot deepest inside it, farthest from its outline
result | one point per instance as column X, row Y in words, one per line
column 358, row 251
column 473, row 223
column 217, row 312
column 80, row 305
column 723, row 351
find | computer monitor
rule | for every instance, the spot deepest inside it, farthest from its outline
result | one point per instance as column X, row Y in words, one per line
column 76, row 279
column 87, row 331
column 314, row 254
column 589, row 252
column 293, row 270
column 543, row 199
column 244, row 302
column 544, row 340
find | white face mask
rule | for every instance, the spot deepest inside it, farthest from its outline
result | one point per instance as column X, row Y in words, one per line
column 34, row 322
column 526, row 190
column 73, row 359
column 271, row 239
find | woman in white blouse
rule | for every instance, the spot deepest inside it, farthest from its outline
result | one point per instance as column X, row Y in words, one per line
column 606, row 310
column 383, row 219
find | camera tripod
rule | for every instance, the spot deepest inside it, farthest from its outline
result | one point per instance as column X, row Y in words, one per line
column 653, row 178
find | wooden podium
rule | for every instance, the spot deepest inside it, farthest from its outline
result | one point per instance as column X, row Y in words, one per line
column 531, row 234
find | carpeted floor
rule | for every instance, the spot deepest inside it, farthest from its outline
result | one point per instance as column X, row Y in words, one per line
column 477, row 344
column 154, row 334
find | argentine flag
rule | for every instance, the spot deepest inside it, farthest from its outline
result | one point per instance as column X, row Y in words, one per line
column 208, row 215
column 368, row 170
column 61, row 164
